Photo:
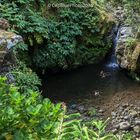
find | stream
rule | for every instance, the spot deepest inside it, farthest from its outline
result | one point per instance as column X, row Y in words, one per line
column 90, row 85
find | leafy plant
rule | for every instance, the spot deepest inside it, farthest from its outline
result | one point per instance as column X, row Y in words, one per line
column 25, row 78
column 92, row 111
column 63, row 39
column 127, row 136
column 27, row 116
column 30, row 117
column 131, row 42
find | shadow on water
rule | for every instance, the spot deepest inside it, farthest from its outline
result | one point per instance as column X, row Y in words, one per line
column 82, row 84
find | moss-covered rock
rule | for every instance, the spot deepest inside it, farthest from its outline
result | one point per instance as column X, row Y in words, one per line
column 128, row 50
column 7, row 41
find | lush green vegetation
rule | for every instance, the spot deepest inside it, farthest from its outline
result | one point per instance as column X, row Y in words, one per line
column 54, row 38
column 132, row 11
column 59, row 37
column 25, row 78
column 30, row 117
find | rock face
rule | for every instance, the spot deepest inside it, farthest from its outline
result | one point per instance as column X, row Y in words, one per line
column 128, row 49
column 7, row 41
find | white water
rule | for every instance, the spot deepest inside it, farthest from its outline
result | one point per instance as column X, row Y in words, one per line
column 112, row 62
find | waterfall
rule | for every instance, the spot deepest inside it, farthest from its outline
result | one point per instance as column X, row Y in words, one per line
column 112, row 62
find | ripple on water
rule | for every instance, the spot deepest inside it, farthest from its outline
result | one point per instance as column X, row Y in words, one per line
column 112, row 65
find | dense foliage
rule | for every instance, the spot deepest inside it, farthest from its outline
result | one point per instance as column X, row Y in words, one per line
column 26, row 116
column 29, row 117
column 25, row 78
column 131, row 9
column 55, row 37
column 60, row 37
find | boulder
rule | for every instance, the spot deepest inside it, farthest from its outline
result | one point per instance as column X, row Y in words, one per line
column 137, row 129
column 128, row 49
column 7, row 41
column 124, row 125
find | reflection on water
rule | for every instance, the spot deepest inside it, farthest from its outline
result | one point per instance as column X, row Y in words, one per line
column 81, row 84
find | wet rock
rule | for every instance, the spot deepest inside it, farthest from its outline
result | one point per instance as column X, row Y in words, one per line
column 113, row 113
column 116, row 126
column 137, row 122
column 125, row 105
column 86, row 118
column 133, row 113
column 137, row 129
column 128, row 56
column 114, row 131
column 124, row 125
column 131, row 105
column 126, row 117
column 81, row 109
column 113, row 122
column 73, row 106
column 120, row 109
column 101, row 111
